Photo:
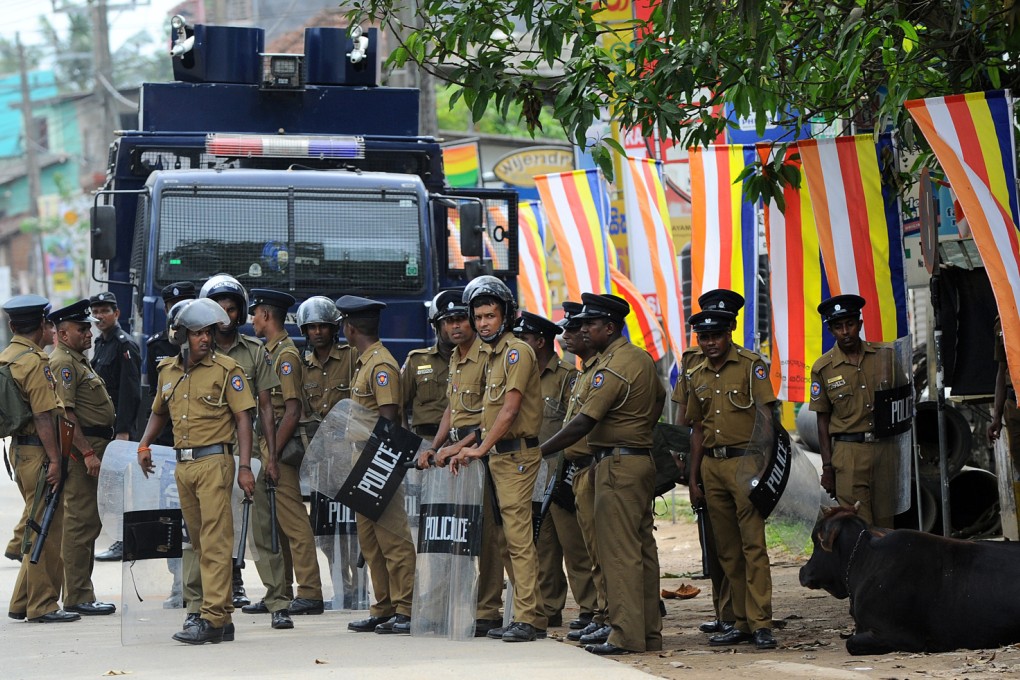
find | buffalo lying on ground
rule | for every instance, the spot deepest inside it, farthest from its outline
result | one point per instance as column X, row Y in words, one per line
column 915, row 592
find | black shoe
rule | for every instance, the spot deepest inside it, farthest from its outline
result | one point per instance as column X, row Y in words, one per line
column 228, row 632
column 367, row 625
column 115, row 553
column 17, row 616
column 91, row 608
column 716, row 626
column 581, row 621
column 58, row 616
column 282, row 620
column 606, row 649
column 192, row 620
column 12, row 556
column 519, row 632
column 240, row 598
column 555, row 621
column 598, row 637
column 763, row 639
column 483, row 626
column 496, row 633
column 257, row 608
column 576, row 635
column 304, row 606
column 200, row 633
column 398, row 624
column 734, row 637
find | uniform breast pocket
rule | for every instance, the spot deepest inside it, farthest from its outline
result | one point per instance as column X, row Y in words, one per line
column 737, row 397
column 841, row 398
column 553, row 409
column 430, row 390
column 470, row 399
column 496, row 388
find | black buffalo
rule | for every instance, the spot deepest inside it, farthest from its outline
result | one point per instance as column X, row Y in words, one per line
column 915, row 592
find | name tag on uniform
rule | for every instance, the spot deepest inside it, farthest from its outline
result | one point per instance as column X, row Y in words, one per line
column 425, row 369
column 835, row 382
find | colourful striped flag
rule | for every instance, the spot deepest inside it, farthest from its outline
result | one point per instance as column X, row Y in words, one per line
column 577, row 206
column 498, row 253
column 724, row 231
column 642, row 327
column 533, row 282
column 972, row 136
column 653, row 264
column 462, row 165
column 797, row 286
column 859, row 228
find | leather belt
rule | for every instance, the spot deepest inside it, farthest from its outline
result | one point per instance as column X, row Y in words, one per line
column 582, row 462
column 856, row 437
column 514, row 445
column 426, row 430
column 600, row 453
column 727, row 452
column 200, row 452
column 458, row 433
column 98, row 431
column 27, row 440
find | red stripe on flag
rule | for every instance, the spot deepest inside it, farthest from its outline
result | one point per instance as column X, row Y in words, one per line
column 963, row 122
column 860, row 233
column 795, row 263
column 577, row 203
column 726, row 218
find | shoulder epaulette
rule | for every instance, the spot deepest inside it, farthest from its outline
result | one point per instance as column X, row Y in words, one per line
column 224, row 361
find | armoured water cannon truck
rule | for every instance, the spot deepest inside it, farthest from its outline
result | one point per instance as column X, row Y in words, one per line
column 293, row 172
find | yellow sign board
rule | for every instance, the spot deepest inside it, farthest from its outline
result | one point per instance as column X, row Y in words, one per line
column 519, row 168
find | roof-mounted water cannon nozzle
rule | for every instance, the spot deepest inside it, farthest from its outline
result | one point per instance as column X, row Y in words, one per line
column 360, row 50
column 184, row 40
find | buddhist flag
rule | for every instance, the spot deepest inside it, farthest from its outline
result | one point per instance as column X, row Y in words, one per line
column 859, row 230
column 797, row 286
column 461, row 165
column 972, row 136
column 577, row 207
column 653, row 264
column 724, row 231
column 533, row 282
column 642, row 328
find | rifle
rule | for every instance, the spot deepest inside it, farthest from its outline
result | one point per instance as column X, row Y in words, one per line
column 65, row 432
column 536, row 520
column 245, row 515
column 703, row 539
column 271, row 494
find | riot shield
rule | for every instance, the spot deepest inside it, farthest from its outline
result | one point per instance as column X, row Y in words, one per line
column 336, row 535
column 894, row 414
column 119, row 455
column 449, row 543
column 794, row 515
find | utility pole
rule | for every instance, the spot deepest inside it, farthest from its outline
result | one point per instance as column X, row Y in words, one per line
column 102, row 69
column 31, row 162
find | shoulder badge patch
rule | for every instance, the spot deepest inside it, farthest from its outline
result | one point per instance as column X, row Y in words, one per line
column 286, row 368
column 65, row 375
column 598, row 379
column 760, row 373
column 382, row 378
column 513, row 356
column 237, row 382
column 49, row 375
column 816, row 389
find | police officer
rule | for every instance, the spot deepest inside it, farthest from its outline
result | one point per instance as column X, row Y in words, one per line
column 459, row 427
column 511, row 419
column 730, row 301
column 116, row 359
column 253, row 359
column 35, row 452
column 208, row 398
column 559, row 538
column 843, row 384
column 159, row 347
column 269, row 310
column 389, row 553
column 88, row 405
column 729, row 391
column 423, row 379
column 625, row 398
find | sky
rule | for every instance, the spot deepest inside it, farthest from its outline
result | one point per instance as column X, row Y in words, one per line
column 125, row 17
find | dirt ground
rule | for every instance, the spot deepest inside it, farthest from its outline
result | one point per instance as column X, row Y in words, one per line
column 810, row 627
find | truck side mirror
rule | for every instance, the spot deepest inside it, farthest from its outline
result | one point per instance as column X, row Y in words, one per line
column 471, row 229
column 104, row 232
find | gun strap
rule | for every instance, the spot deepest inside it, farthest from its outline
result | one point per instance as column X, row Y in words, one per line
column 7, row 463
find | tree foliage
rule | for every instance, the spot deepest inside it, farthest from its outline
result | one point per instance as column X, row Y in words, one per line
column 850, row 63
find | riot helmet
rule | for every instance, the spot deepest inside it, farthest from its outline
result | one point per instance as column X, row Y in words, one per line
column 317, row 309
column 225, row 285
column 482, row 289
column 193, row 315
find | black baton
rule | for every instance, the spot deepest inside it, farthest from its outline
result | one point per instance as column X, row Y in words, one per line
column 245, row 513
column 275, row 535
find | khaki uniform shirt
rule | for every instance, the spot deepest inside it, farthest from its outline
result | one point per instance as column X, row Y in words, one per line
column 289, row 370
column 723, row 401
column 251, row 356
column 556, row 383
column 466, row 386
column 681, row 391
column 376, row 378
column 625, row 396
column 423, row 380
column 511, row 365
column 329, row 382
column 34, row 377
column 580, row 384
column 202, row 401
column 81, row 388
column 847, row 390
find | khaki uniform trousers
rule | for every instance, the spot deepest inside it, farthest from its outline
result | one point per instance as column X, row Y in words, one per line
column 855, row 465
column 624, row 493
column 584, row 502
column 490, row 561
column 559, row 542
column 204, row 487
column 14, row 546
column 739, row 538
column 38, row 586
column 721, row 596
column 296, row 531
column 514, row 476
column 391, row 560
column 81, row 528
